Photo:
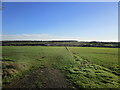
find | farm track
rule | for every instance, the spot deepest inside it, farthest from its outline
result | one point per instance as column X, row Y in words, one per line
column 70, row 52
column 75, row 57
column 41, row 78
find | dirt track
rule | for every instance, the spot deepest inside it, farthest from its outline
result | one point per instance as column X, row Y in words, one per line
column 41, row 78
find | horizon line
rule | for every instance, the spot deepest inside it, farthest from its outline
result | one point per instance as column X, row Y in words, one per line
column 65, row 40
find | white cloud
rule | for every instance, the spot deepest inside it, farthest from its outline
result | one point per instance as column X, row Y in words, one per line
column 36, row 37
column 48, row 37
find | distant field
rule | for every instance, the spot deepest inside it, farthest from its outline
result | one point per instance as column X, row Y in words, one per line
column 82, row 67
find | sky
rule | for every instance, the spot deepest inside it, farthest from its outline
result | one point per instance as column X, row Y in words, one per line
column 83, row 21
column 60, row 0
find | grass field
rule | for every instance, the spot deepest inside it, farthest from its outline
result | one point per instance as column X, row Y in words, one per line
column 83, row 67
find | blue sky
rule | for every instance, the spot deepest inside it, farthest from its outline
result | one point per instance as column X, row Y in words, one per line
column 60, row 20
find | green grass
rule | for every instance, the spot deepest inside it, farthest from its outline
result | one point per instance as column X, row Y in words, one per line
column 35, row 57
column 84, row 67
column 107, row 57
column 94, row 67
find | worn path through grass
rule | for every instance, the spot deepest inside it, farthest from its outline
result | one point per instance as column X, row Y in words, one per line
column 41, row 78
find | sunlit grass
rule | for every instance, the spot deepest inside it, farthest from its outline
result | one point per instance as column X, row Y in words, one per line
column 84, row 67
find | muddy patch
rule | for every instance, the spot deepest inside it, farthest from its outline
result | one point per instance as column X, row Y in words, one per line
column 42, row 78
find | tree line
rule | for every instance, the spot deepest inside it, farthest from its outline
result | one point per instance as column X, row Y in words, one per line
column 61, row 43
